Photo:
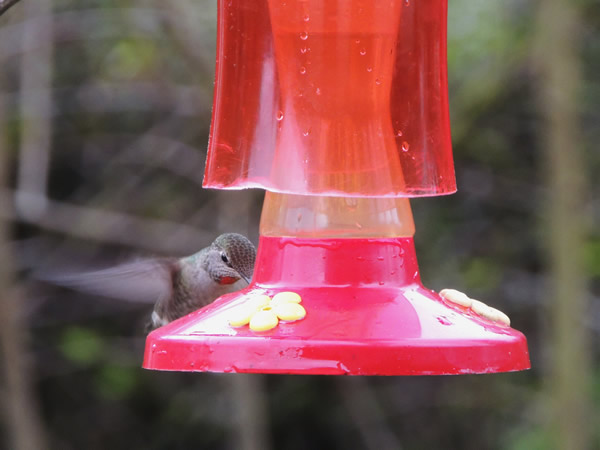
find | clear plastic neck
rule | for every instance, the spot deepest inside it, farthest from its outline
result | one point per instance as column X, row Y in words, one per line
column 310, row 216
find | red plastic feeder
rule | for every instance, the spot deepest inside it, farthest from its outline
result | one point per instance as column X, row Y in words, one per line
column 338, row 109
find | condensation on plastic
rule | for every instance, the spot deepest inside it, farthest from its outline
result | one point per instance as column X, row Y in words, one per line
column 344, row 98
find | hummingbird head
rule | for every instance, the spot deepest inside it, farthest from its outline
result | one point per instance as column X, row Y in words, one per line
column 231, row 257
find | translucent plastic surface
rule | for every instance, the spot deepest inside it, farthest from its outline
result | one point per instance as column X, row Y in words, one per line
column 312, row 216
column 345, row 97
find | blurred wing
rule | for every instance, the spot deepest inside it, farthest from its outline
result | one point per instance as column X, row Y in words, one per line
column 141, row 281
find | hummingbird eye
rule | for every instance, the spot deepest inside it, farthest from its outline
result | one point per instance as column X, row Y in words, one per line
column 225, row 259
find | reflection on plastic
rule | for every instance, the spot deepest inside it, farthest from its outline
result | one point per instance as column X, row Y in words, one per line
column 337, row 98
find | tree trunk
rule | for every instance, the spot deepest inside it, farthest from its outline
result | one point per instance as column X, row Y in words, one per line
column 560, row 81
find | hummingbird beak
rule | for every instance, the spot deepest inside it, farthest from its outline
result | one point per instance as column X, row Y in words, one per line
column 246, row 278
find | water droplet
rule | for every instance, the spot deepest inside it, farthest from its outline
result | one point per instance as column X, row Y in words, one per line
column 399, row 133
column 351, row 203
column 357, row 41
column 381, row 283
column 380, row 258
column 358, row 225
column 369, row 69
column 444, row 320
column 306, row 133
column 306, row 18
column 279, row 115
column 304, row 35
column 302, row 70
column 303, row 50
column 377, row 81
column 318, row 91
column 405, row 146
column 363, row 51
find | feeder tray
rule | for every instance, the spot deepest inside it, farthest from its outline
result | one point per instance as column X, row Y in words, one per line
column 367, row 314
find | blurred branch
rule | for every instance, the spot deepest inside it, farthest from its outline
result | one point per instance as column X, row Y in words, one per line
column 125, row 186
column 150, row 150
column 182, row 27
column 89, row 24
column 366, row 412
column 24, row 426
column 111, row 227
column 35, row 104
column 126, row 96
column 136, row 231
column 5, row 5
column 558, row 29
column 250, row 398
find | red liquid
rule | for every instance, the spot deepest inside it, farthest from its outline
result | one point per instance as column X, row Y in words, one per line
column 337, row 98
column 336, row 115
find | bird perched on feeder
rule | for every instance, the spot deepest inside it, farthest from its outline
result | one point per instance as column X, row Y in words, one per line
column 178, row 286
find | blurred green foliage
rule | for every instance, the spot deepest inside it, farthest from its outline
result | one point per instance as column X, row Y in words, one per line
column 81, row 345
column 131, row 92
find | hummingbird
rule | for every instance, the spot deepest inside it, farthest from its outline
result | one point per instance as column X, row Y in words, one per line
column 177, row 286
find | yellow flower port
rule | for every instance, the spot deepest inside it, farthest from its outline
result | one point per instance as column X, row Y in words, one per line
column 262, row 313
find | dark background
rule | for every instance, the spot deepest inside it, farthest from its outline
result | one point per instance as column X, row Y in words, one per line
column 104, row 119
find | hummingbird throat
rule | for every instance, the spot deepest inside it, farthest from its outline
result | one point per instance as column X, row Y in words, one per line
column 227, row 280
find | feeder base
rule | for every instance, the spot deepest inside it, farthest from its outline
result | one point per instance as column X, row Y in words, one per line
column 367, row 314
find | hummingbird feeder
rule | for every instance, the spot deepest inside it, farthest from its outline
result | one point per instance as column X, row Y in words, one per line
column 339, row 109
